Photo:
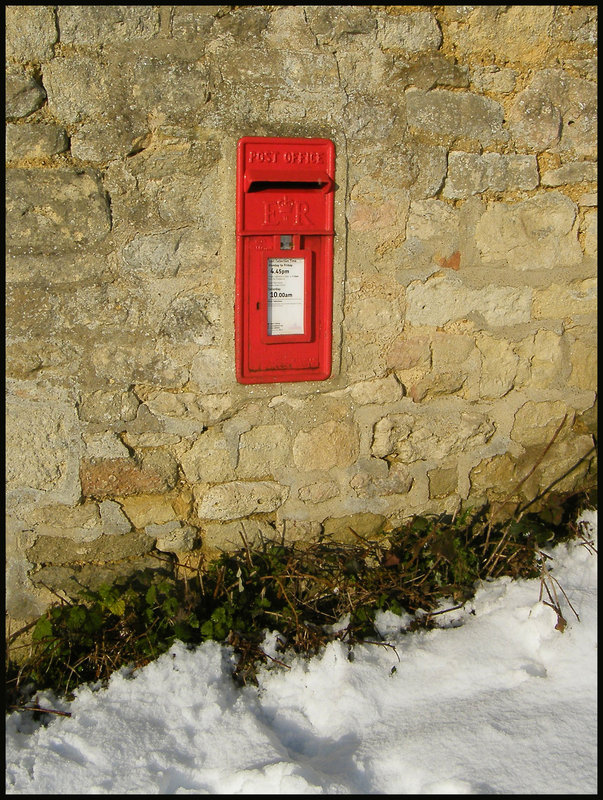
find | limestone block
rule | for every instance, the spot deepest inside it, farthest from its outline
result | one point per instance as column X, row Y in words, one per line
column 432, row 70
column 331, row 24
column 104, row 445
column 559, row 301
column 577, row 101
column 379, row 390
column 210, row 459
column 192, row 23
column 77, row 87
column 236, row 499
column 536, row 422
column 442, row 299
column 109, row 137
column 24, row 95
column 498, row 368
column 557, row 110
column 501, row 34
column 499, row 80
column 584, row 360
column 108, row 406
column 318, row 492
column 572, row 172
column 495, row 477
column 590, row 231
column 409, row 351
column 534, row 120
column 576, row 24
column 297, row 530
column 31, row 32
column 332, row 444
column 343, row 529
column 113, row 520
column 93, row 25
column 80, row 522
column 263, row 451
column 443, row 481
column 408, row 439
column 61, row 550
column 34, row 141
column 538, row 233
column 171, row 537
column 396, row 480
column 120, row 477
column 563, row 459
column 431, row 163
column 469, row 173
column 548, row 359
column 42, row 443
column 207, row 409
column 410, row 33
column 148, row 509
column 231, row 536
column 52, row 210
column 450, row 115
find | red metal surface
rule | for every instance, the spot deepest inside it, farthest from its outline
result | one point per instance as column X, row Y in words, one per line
column 285, row 187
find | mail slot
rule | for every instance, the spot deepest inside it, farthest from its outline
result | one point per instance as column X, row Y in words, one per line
column 284, row 262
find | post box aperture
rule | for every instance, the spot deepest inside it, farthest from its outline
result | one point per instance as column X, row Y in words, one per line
column 284, row 267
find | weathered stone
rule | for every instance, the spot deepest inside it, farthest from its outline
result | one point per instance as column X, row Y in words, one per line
column 231, row 536
column 410, row 33
column 263, row 451
column 71, row 579
column 236, row 499
column 84, row 24
column 42, row 443
column 171, row 537
column 120, row 477
column 210, row 459
column 499, row 366
column 24, row 95
column 410, row 439
column 380, row 390
column 192, row 23
column 343, row 529
column 469, row 173
column 538, row 233
column 108, row 407
column 31, row 32
column 50, row 210
column 79, row 523
column 583, row 356
column 548, row 360
column 534, row 120
column 494, row 79
column 576, row 100
column 332, row 444
column 397, row 479
column 148, row 509
column 590, row 231
column 113, row 520
column 108, row 138
column 443, row 481
column 572, row 172
column 450, row 115
column 536, row 422
column 34, row 141
column 61, row 550
column 407, row 352
column 560, row 302
column 318, row 492
column 430, row 71
column 442, row 299
column 331, row 24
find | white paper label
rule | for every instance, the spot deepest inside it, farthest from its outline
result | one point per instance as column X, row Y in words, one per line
column 285, row 296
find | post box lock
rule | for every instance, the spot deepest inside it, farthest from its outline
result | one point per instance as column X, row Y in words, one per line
column 284, row 262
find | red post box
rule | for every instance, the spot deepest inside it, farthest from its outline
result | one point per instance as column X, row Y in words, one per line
column 284, row 266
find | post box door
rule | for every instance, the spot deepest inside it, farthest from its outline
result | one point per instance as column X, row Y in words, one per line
column 284, row 275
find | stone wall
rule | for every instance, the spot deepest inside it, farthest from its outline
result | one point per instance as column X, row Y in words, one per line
column 465, row 291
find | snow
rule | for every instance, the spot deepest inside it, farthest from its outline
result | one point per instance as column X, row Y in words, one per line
column 495, row 701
